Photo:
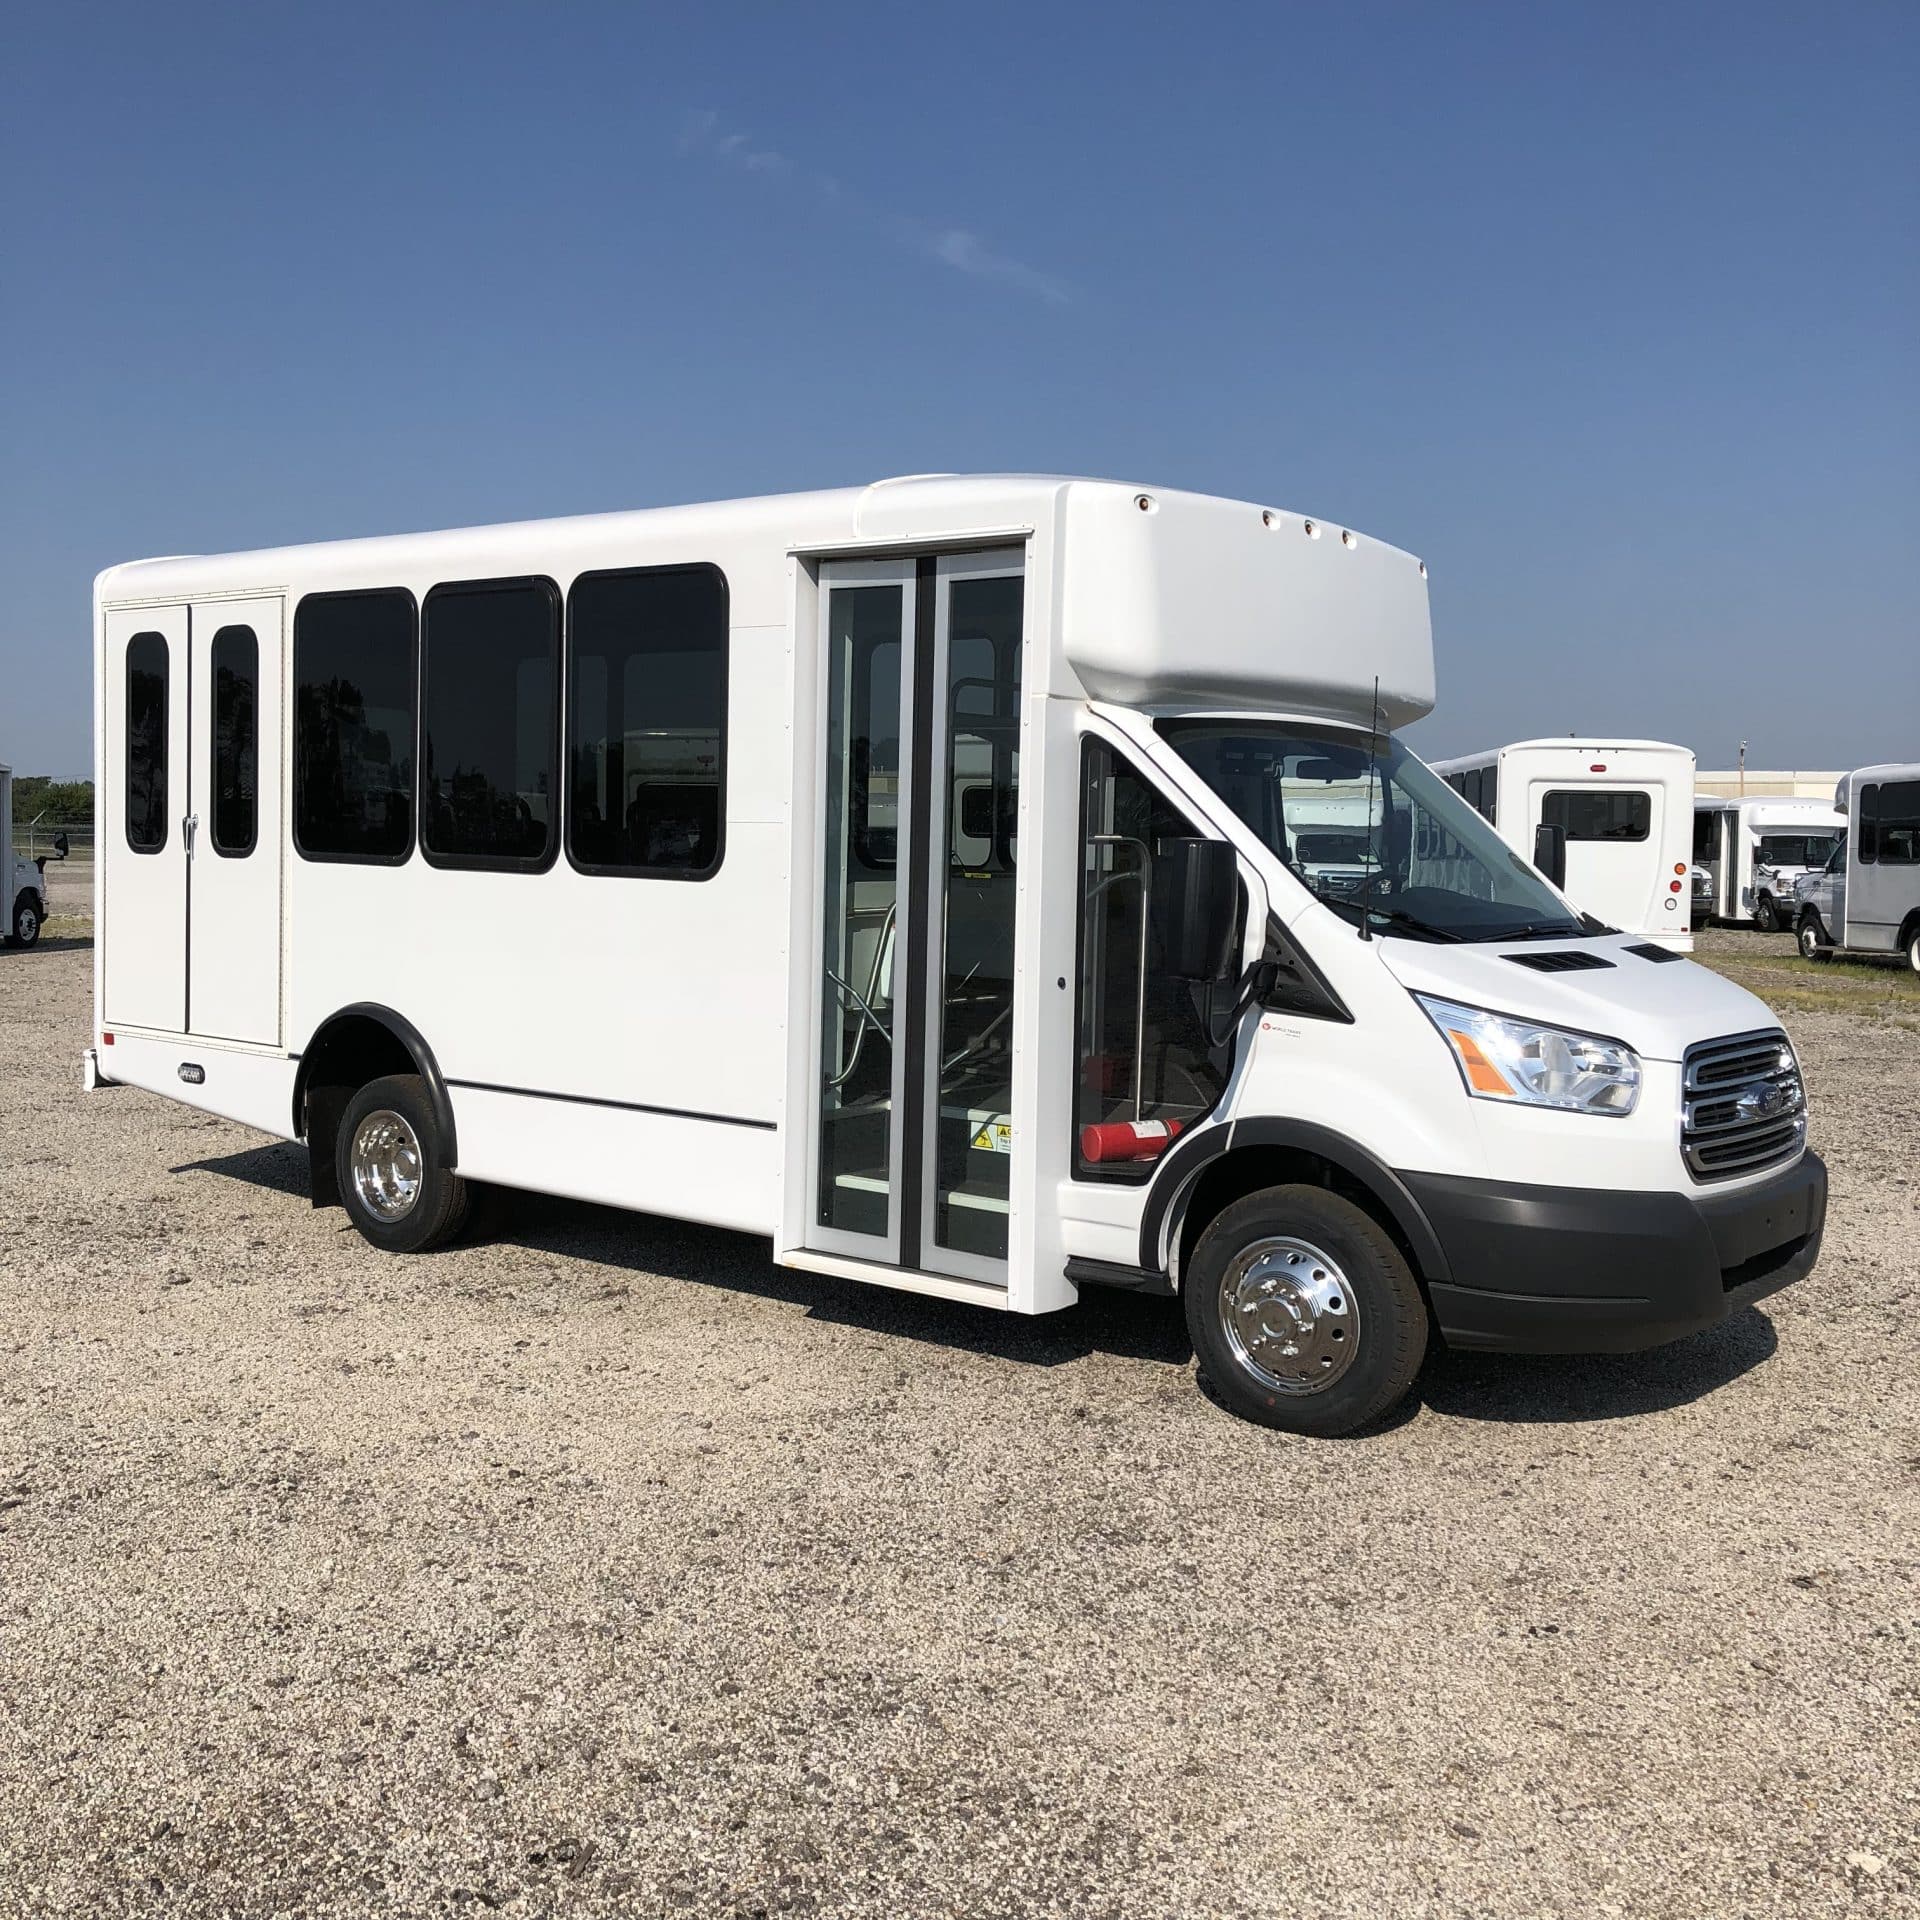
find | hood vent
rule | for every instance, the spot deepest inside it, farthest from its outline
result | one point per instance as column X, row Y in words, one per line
column 1571, row 961
column 1659, row 954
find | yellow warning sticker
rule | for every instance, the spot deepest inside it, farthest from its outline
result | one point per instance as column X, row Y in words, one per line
column 996, row 1137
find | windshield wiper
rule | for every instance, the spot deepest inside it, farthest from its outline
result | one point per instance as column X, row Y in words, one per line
column 1400, row 917
column 1539, row 930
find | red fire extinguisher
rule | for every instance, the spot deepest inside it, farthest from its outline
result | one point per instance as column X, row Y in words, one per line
column 1127, row 1139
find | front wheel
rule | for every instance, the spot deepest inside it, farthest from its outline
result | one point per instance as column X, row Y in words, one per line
column 1303, row 1313
column 391, row 1164
column 1812, row 945
column 1766, row 916
column 26, row 920
column 1913, row 949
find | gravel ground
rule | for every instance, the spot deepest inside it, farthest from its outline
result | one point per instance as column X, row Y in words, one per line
column 602, row 1567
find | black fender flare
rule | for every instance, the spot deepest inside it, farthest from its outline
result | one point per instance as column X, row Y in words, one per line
column 1358, row 1163
column 411, row 1038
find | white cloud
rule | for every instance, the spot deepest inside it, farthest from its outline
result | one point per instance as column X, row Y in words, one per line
column 960, row 248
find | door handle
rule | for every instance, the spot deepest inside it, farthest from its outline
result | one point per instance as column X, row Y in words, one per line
column 190, row 826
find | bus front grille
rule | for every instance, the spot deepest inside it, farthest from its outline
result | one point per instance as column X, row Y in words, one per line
column 1744, row 1105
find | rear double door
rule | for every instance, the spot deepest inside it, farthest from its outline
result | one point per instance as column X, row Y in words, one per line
column 912, row 1134
column 191, row 835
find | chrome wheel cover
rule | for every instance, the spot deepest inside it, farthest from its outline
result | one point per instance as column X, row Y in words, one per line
column 1289, row 1315
column 26, row 926
column 385, row 1164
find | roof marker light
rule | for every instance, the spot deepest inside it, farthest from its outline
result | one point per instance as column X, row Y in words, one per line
column 1347, row 539
column 1599, row 766
column 1313, row 532
column 1423, row 569
column 1146, row 503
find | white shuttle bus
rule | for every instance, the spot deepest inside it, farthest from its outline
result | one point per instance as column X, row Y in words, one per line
column 1747, row 855
column 23, row 881
column 915, row 875
column 1866, row 898
column 1611, row 824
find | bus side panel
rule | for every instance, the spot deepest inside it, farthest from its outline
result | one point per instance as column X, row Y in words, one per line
column 255, row 1089
column 720, row 1175
column 628, row 990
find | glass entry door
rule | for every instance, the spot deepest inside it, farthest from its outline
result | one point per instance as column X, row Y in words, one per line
column 914, row 1129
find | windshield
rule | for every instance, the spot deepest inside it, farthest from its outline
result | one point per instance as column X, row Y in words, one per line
column 1794, row 849
column 1385, row 838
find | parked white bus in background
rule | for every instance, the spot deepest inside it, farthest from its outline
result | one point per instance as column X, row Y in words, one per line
column 1610, row 823
column 23, row 881
column 1866, row 899
column 1748, row 854
column 912, row 875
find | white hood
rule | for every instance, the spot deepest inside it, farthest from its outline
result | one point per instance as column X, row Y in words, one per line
column 1657, row 1007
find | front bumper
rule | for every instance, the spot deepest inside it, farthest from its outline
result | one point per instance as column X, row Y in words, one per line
column 1578, row 1270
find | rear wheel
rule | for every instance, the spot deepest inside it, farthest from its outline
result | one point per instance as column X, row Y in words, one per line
column 1812, row 937
column 391, row 1163
column 26, row 920
column 1913, row 949
column 1303, row 1312
column 1766, row 916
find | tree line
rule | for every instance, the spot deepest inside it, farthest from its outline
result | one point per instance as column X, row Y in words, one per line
column 68, row 803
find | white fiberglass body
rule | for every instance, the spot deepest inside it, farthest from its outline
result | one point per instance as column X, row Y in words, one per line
column 803, row 865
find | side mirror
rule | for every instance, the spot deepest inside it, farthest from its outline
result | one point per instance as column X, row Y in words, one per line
column 59, row 846
column 1196, row 901
column 1550, row 852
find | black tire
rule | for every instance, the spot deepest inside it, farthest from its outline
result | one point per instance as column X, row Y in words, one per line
column 27, row 920
column 1812, row 937
column 1766, row 915
column 1365, row 1283
column 437, row 1208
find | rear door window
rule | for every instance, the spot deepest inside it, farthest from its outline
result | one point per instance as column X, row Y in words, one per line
column 147, row 693
column 1584, row 814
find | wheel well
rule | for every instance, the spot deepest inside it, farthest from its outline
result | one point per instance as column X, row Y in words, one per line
column 1908, row 928
column 1246, row 1170
column 359, row 1044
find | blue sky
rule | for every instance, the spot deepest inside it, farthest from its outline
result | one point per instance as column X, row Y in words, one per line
column 1610, row 312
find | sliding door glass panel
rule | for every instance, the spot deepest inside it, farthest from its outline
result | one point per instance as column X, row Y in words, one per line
column 978, row 763
column 861, row 959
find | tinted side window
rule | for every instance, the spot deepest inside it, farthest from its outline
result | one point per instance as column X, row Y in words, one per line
column 647, row 721
column 1598, row 816
column 236, row 740
column 1490, row 792
column 147, row 670
column 353, row 670
column 1703, row 825
column 1869, row 826
column 489, row 707
column 1897, row 817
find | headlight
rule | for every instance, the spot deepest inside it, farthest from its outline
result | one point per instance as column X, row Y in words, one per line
column 1503, row 1059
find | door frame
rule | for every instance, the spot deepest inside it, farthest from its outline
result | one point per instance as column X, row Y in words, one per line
column 207, row 615
column 137, row 886
column 991, row 563
column 811, row 757
column 924, row 575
